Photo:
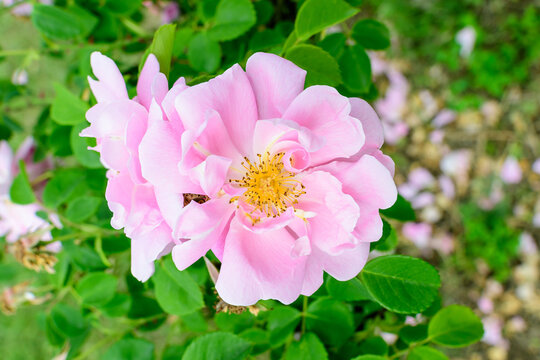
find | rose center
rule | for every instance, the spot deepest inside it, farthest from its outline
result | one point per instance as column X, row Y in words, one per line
column 270, row 188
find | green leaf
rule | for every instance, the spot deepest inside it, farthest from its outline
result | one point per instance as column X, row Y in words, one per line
column 413, row 334
column 204, row 54
column 84, row 258
column 308, row 348
column 63, row 24
column 181, row 41
column 321, row 67
column 369, row 357
column 331, row 320
column 123, row 7
column 97, row 288
column 61, row 186
column 162, row 46
column 266, row 39
column 82, row 208
column 371, row 34
column 426, row 353
column 281, row 324
column 374, row 345
column 264, row 10
column 316, row 15
column 401, row 284
column 356, row 69
column 118, row 306
column 67, row 321
column 401, row 210
column 455, row 326
column 130, row 349
column 218, row 346
column 388, row 240
column 333, row 44
column 235, row 323
column 176, row 291
column 352, row 290
column 233, row 18
column 79, row 146
column 21, row 191
column 67, row 109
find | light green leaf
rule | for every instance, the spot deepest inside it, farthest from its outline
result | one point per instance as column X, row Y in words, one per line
column 308, row 348
column 124, row 7
column 218, row 346
column 97, row 288
column 61, row 186
column 455, row 326
column 369, row 357
column 281, row 323
column 176, row 291
column 233, row 18
column 162, row 46
column 316, row 15
column 321, row 67
column 67, row 109
column 130, row 349
column 82, row 208
column 204, row 54
column 67, row 321
column 426, row 353
column 55, row 23
column 79, row 146
column 21, row 191
column 401, row 284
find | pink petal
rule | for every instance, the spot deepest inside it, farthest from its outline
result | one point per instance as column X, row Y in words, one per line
column 231, row 96
column 146, row 78
column 259, row 266
column 275, row 81
column 211, row 174
column 325, row 112
column 347, row 264
column 371, row 124
column 111, row 85
column 147, row 248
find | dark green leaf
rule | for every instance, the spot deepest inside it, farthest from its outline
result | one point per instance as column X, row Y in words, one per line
column 356, row 69
column 124, row 7
column 374, row 345
column 61, row 186
column 400, row 283
column 233, row 18
column 369, row 357
column 67, row 321
column 413, row 334
column 82, row 208
column 281, row 324
column 371, row 34
column 388, row 239
column 352, row 290
column 218, row 346
column 455, row 326
column 331, row 320
column 55, row 23
column 401, row 210
column 316, row 15
column 119, row 305
column 333, row 44
column 176, row 291
column 321, row 67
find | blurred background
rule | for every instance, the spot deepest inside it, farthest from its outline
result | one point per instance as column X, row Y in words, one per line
column 458, row 92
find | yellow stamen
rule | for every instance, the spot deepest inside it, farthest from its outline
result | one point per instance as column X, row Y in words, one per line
column 270, row 188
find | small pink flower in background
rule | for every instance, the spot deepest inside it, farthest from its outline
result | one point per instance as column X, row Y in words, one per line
column 20, row 222
column 118, row 124
column 444, row 243
column 421, row 178
column 511, row 171
column 457, row 163
column 527, row 245
column 536, row 220
column 19, row 77
column 447, row 186
column 466, row 39
column 493, row 326
column 167, row 11
column 418, row 233
column 485, row 305
column 536, row 166
column 443, row 118
column 437, row 136
column 24, row 9
column 294, row 179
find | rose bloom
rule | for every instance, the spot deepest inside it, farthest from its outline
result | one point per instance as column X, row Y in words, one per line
column 118, row 124
column 287, row 181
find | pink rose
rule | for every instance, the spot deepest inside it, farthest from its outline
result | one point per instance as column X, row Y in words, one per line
column 118, row 124
column 294, row 179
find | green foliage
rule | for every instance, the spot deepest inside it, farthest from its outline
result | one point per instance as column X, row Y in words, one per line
column 316, row 15
column 162, row 47
column 455, row 326
column 426, row 353
column 176, row 291
column 67, row 109
column 97, row 288
column 21, row 191
column 371, row 34
column 308, row 348
column 232, row 19
column 130, row 349
column 400, row 283
column 331, row 320
column 321, row 67
column 218, row 346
